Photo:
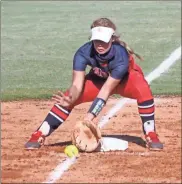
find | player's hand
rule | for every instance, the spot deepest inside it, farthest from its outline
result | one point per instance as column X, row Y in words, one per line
column 89, row 117
column 61, row 99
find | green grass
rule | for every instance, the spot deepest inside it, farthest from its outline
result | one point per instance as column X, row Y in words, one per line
column 39, row 39
column 171, row 81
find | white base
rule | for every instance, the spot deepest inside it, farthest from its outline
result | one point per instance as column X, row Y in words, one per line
column 113, row 144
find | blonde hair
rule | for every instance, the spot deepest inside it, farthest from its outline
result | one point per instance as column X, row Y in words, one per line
column 105, row 22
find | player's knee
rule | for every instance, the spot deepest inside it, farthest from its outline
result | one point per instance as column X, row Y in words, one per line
column 144, row 94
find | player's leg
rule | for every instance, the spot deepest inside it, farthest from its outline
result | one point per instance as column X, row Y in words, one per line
column 58, row 114
column 136, row 87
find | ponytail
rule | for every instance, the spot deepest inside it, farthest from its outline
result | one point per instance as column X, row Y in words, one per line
column 129, row 49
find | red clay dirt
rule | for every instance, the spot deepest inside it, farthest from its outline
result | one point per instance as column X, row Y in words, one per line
column 135, row 165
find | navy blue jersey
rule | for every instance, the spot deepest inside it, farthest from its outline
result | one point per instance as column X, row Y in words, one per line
column 115, row 62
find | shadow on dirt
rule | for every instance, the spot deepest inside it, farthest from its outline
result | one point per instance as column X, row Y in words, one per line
column 137, row 140
column 66, row 143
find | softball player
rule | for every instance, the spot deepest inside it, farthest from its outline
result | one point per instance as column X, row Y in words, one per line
column 113, row 71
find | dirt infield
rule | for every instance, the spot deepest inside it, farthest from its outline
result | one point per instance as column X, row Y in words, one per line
column 135, row 165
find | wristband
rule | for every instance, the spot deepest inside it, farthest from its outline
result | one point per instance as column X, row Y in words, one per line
column 97, row 106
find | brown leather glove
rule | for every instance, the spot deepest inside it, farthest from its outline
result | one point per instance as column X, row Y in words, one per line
column 86, row 136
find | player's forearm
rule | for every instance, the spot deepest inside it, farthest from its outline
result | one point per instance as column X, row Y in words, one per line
column 74, row 92
column 107, row 88
column 102, row 97
column 98, row 104
column 77, row 85
column 104, row 94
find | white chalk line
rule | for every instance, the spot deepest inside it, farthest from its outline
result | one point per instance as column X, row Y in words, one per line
column 60, row 169
column 163, row 67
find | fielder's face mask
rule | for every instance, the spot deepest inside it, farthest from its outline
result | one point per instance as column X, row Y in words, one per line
column 102, row 33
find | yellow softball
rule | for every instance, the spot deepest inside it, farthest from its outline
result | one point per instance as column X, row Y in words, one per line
column 71, row 151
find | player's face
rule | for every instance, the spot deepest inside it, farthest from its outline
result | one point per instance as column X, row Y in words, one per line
column 102, row 47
